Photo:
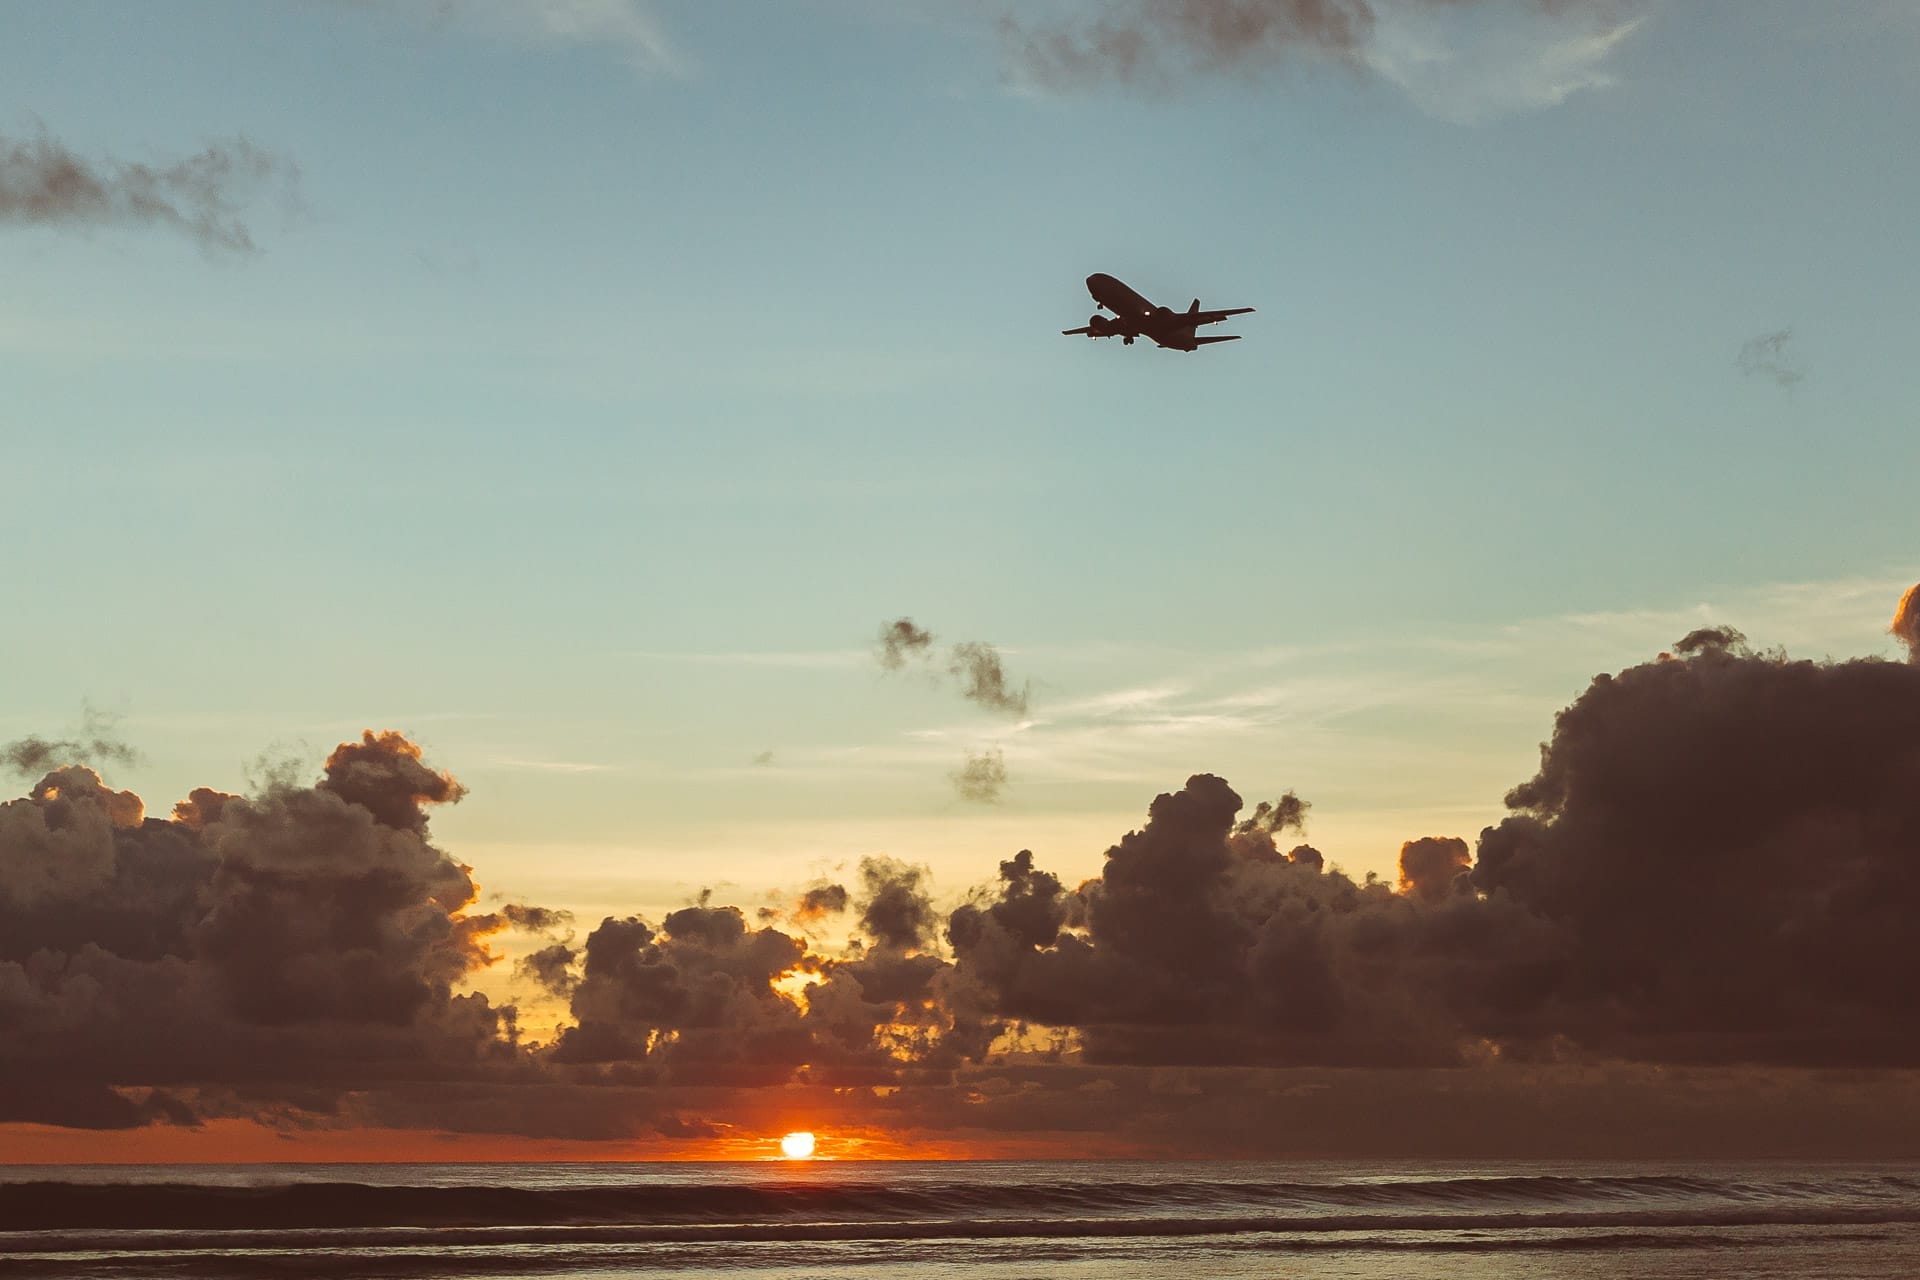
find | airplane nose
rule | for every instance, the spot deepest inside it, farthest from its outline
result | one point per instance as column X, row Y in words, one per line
column 1095, row 280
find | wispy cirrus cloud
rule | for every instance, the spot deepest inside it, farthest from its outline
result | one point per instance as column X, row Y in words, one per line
column 1461, row 60
column 627, row 27
column 1532, row 60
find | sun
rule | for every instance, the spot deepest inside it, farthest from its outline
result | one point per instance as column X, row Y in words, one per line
column 797, row 1146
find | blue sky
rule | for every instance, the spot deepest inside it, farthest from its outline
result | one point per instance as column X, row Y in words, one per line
column 615, row 369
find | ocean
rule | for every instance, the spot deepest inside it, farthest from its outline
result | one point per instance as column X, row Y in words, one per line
column 991, row 1220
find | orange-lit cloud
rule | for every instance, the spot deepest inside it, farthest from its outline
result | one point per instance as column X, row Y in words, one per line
column 1906, row 622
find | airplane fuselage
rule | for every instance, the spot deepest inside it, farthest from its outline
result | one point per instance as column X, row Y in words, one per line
column 1117, row 297
column 1135, row 317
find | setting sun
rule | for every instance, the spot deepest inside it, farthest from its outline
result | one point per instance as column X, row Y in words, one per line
column 797, row 1146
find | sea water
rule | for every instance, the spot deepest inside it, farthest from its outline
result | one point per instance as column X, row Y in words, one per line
column 993, row 1220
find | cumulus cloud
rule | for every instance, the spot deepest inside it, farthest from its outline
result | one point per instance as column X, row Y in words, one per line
column 45, row 183
column 1710, row 871
column 1767, row 358
column 306, row 939
column 1202, row 943
column 1718, row 846
column 895, row 906
column 1432, row 867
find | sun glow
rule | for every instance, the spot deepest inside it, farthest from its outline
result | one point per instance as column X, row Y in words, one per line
column 797, row 1146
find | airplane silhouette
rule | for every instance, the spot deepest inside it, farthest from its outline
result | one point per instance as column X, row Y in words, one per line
column 1135, row 317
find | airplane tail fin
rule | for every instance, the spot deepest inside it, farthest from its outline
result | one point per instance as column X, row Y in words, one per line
column 1194, row 310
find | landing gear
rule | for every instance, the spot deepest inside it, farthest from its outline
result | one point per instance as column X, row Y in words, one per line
column 1127, row 340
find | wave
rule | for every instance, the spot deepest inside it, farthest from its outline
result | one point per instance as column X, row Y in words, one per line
column 400, row 1260
column 864, row 1210
column 55, row 1241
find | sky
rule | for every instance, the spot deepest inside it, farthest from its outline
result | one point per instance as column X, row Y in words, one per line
column 571, row 395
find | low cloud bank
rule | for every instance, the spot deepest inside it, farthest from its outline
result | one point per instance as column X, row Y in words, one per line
column 1711, row 870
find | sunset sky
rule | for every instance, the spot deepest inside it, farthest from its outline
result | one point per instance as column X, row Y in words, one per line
column 578, row 390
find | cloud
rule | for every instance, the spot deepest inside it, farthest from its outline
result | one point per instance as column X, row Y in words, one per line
column 1531, row 58
column 1717, row 845
column 974, row 665
column 1707, row 868
column 895, row 908
column 1767, row 358
column 901, row 640
column 820, row 901
column 1906, row 622
column 982, row 778
column 628, row 27
column 44, row 183
column 33, row 756
column 1462, row 60
column 301, row 942
column 1709, row 872
column 977, row 667
column 1433, row 867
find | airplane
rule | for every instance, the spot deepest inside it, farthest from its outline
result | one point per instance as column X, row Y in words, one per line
column 1135, row 317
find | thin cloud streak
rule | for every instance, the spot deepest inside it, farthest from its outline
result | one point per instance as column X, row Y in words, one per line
column 627, row 27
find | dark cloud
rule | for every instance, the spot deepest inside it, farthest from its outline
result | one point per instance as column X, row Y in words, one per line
column 974, row 665
column 983, row 680
column 42, row 182
column 1906, row 622
column 1201, row 943
column 687, row 1127
column 534, row 919
column 764, row 759
column 820, row 901
column 895, row 907
column 982, row 778
column 1724, row 849
column 1713, row 872
column 981, row 677
column 1766, row 357
column 1433, row 867
column 295, row 940
column 693, row 999
column 1712, row 640
column 551, row 967
column 901, row 640
column 383, row 774
column 1154, row 41
column 94, row 745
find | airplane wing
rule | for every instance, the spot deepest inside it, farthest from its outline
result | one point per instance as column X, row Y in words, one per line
column 1082, row 329
column 1215, row 317
column 1225, row 337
